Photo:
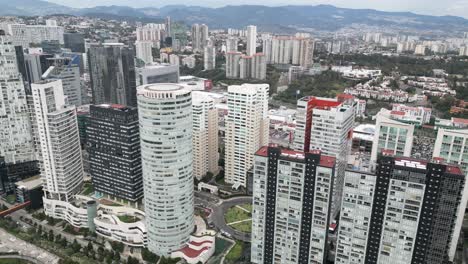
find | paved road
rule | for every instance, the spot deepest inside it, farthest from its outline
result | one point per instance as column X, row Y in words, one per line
column 32, row 260
column 10, row 243
column 217, row 217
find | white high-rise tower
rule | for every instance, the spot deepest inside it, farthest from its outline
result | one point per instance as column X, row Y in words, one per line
column 246, row 129
column 58, row 141
column 251, row 40
column 165, row 113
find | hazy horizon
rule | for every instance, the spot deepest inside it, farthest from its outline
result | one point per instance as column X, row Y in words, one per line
column 438, row 8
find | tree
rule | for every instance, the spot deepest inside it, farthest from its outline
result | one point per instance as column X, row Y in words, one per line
column 51, row 236
column 132, row 260
column 149, row 256
column 75, row 246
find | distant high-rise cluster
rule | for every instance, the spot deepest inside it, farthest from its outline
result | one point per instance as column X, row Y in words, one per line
column 289, row 50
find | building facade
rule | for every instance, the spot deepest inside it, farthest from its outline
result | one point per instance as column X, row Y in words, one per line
column 205, row 135
column 406, row 211
column 15, row 128
column 391, row 134
column 114, row 151
column 58, row 141
column 165, row 114
column 112, row 70
column 209, row 58
column 247, row 128
column 452, row 146
column 251, row 40
column 291, row 206
column 326, row 124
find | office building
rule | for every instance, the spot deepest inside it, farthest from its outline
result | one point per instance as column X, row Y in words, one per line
column 112, row 70
column 71, row 82
column 114, row 152
column 74, row 41
column 232, row 64
column 392, row 135
column 58, row 141
column 251, row 40
column 205, row 135
column 291, row 206
column 406, row 211
column 231, row 44
column 11, row 173
column 452, row 146
column 17, row 144
column 165, row 114
column 144, row 51
column 326, row 124
column 158, row 73
column 247, row 127
column 23, row 35
column 209, row 58
column 199, row 37
column 36, row 65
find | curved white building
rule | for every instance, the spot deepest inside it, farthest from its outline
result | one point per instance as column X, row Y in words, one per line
column 165, row 113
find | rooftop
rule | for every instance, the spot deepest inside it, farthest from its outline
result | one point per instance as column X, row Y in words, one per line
column 325, row 161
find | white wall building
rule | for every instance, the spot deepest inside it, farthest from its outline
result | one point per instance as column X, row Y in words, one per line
column 71, row 82
column 251, row 40
column 232, row 64
column 392, row 135
column 59, row 141
column 15, row 127
column 165, row 113
column 205, row 135
column 209, row 58
column 247, row 127
column 325, row 124
column 452, row 146
column 144, row 51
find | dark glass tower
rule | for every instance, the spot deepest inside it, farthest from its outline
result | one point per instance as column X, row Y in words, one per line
column 74, row 41
column 114, row 151
column 112, row 69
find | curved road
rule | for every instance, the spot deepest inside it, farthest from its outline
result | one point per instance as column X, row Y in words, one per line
column 218, row 217
column 32, row 260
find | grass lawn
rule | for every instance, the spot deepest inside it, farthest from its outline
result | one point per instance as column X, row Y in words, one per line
column 11, row 199
column 128, row 218
column 235, row 213
column 14, row 261
column 245, row 227
column 88, row 189
column 235, row 253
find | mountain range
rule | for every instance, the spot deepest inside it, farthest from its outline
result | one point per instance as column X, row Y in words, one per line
column 320, row 17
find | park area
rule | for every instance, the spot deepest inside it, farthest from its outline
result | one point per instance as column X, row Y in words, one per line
column 239, row 217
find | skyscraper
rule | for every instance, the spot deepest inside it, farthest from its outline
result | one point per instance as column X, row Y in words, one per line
column 158, row 73
column 231, row 44
column 144, row 51
column 291, row 206
column 205, row 135
column 58, row 141
column 392, row 135
column 74, row 41
column 199, row 37
column 247, row 126
column 232, row 64
column 112, row 70
column 406, row 211
column 452, row 146
column 326, row 124
column 70, row 75
column 114, row 151
column 251, row 40
column 209, row 58
column 259, row 67
column 15, row 128
column 165, row 114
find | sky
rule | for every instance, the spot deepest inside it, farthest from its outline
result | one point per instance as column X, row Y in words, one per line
column 428, row 7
